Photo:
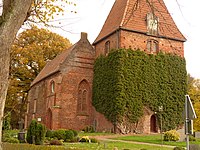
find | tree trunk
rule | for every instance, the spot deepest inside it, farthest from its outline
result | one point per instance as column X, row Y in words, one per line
column 9, row 26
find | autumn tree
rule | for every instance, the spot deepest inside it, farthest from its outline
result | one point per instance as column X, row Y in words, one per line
column 14, row 14
column 31, row 50
column 194, row 92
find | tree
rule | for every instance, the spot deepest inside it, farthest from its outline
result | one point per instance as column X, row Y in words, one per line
column 14, row 13
column 194, row 92
column 13, row 16
column 31, row 50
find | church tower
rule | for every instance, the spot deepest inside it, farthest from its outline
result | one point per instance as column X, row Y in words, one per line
column 140, row 24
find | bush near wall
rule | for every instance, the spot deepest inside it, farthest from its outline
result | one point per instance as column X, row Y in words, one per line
column 36, row 133
column 171, row 135
column 125, row 81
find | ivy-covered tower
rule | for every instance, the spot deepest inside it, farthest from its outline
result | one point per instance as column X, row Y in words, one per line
column 126, row 87
column 145, row 24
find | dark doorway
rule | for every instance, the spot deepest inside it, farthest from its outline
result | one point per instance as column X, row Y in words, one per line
column 153, row 124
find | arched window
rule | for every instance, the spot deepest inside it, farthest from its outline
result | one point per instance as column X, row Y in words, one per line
column 52, row 87
column 83, row 98
column 152, row 46
column 107, row 47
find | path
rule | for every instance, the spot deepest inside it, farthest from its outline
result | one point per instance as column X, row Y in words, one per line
column 109, row 138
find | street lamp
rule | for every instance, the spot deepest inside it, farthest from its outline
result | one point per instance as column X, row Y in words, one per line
column 160, row 109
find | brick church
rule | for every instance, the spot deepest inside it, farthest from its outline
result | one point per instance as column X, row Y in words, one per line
column 61, row 95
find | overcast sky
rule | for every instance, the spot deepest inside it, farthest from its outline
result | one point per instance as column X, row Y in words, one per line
column 91, row 15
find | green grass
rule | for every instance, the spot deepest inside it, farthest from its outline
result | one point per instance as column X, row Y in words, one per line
column 94, row 134
column 155, row 139
column 111, row 145
column 84, row 146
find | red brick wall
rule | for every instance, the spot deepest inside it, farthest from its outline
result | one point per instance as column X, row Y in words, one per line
column 114, row 43
column 58, row 110
column 139, row 41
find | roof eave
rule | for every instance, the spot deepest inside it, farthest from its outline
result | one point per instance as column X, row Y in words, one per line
column 33, row 83
column 140, row 32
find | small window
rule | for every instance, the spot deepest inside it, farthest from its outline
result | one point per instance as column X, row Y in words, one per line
column 34, row 106
column 107, row 47
column 52, row 87
column 152, row 46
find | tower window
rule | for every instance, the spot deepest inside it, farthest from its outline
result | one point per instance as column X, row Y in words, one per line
column 52, row 87
column 152, row 24
column 107, row 47
column 152, row 46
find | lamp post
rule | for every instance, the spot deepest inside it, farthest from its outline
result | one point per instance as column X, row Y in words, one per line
column 160, row 109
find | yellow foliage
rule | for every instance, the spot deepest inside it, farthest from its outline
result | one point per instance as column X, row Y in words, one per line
column 43, row 11
column 29, row 54
column 194, row 92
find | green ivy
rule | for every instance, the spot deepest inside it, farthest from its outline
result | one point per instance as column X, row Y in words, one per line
column 125, row 81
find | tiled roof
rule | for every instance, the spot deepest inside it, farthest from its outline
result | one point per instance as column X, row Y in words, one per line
column 129, row 15
column 53, row 66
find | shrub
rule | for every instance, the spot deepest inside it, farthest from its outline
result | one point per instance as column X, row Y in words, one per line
column 75, row 133
column 40, row 134
column 93, row 140
column 9, row 134
column 192, row 138
column 171, row 135
column 36, row 133
column 11, row 140
column 56, row 142
column 59, row 134
column 31, row 132
column 85, row 139
column 69, row 135
column 178, row 148
column 49, row 134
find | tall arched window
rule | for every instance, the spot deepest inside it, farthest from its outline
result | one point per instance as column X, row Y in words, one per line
column 83, row 98
column 52, row 87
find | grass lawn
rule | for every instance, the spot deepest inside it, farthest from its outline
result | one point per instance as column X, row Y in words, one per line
column 112, row 145
column 84, row 146
column 156, row 139
column 94, row 134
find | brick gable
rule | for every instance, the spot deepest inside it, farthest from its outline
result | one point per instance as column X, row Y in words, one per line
column 127, row 14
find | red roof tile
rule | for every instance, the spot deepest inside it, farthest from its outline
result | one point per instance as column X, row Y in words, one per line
column 132, row 16
column 53, row 66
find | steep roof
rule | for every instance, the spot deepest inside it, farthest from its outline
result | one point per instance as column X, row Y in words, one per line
column 54, row 65
column 128, row 14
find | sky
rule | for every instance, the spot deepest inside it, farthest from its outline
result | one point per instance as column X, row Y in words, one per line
column 91, row 15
